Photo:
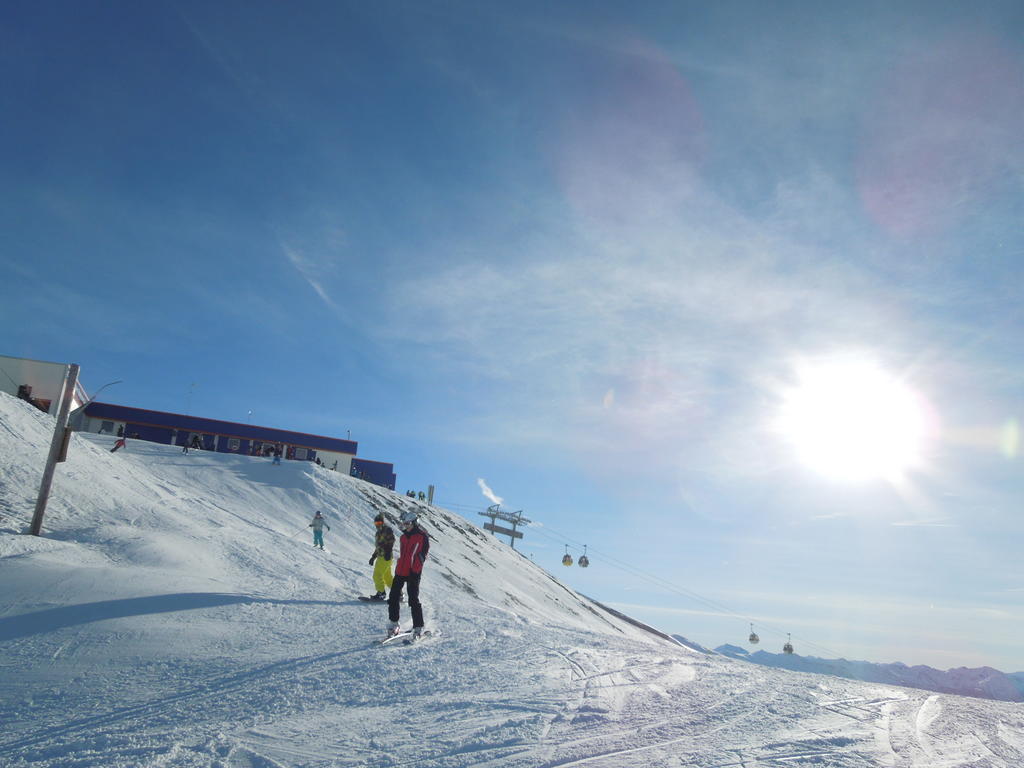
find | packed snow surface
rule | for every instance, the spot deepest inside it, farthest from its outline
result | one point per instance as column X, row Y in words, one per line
column 176, row 615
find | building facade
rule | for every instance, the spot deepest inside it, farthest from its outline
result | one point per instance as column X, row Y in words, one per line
column 38, row 382
column 376, row 472
column 232, row 437
column 42, row 384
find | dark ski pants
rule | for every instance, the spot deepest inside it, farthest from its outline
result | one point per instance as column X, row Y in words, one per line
column 412, row 589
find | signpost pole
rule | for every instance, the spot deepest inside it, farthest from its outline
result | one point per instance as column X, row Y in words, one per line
column 56, row 444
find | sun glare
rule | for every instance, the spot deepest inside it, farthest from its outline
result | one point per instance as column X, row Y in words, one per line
column 853, row 422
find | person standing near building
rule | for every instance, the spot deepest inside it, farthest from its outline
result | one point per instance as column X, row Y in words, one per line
column 384, row 544
column 318, row 529
column 413, row 548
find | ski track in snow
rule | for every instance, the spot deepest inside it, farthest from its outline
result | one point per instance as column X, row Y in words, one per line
column 177, row 616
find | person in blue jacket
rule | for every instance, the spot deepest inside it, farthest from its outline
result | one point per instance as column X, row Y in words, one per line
column 318, row 529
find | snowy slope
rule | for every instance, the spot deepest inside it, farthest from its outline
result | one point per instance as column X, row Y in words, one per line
column 984, row 682
column 175, row 615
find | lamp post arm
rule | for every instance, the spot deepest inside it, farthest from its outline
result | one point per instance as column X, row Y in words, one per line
column 77, row 415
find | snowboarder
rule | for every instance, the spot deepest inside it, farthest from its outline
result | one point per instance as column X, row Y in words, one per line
column 413, row 549
column 318, row 529
column 121, row 443
column 384, row 543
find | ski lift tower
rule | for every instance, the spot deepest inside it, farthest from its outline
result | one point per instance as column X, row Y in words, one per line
column 516, row 518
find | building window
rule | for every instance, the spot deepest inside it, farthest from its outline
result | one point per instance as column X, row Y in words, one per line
column 108, row 427
column 233, row 443
column 300, row 453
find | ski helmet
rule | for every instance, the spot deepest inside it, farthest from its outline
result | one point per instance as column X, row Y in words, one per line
column 379, row 518
column 408, row 517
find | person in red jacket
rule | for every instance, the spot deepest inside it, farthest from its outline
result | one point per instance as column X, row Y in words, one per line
column 413, row 547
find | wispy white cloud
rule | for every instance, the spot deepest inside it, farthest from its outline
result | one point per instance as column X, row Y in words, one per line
column 314, row 245
column 830, row 515
column 306, row 268
column 486, row 490
column 885, row 609
column 930, row 523
column 648, row 343
column 645, row 332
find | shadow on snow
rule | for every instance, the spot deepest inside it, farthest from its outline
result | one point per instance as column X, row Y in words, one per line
column 27, row 624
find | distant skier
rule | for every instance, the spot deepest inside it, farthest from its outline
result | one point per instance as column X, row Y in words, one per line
column 277, row 455
column 121, row 443
column 384, row 544
column 413, row 549
column 196, row 444
column 318, row 529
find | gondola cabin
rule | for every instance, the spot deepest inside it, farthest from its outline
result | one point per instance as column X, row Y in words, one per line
column 788, row 647
column 753, row 639
column 567, row 558
column 584, row 561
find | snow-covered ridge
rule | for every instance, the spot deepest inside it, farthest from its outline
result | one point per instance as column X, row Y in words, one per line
column 151, row 506
column 983, row 682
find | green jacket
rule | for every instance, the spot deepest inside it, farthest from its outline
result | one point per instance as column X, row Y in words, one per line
column 384, row 541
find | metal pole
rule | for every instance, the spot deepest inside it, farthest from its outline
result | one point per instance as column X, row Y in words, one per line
column 70, row 380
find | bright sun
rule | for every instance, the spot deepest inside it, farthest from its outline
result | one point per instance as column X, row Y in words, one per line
column 851, row 421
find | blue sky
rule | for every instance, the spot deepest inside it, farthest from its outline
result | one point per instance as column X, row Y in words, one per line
column 582, row 253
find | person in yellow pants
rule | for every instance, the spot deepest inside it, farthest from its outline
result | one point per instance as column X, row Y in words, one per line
column 384, row 544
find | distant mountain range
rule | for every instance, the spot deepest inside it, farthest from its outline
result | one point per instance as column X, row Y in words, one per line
column 983, row 682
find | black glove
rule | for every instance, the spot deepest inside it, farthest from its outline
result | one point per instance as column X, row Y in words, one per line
column 372, row 558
